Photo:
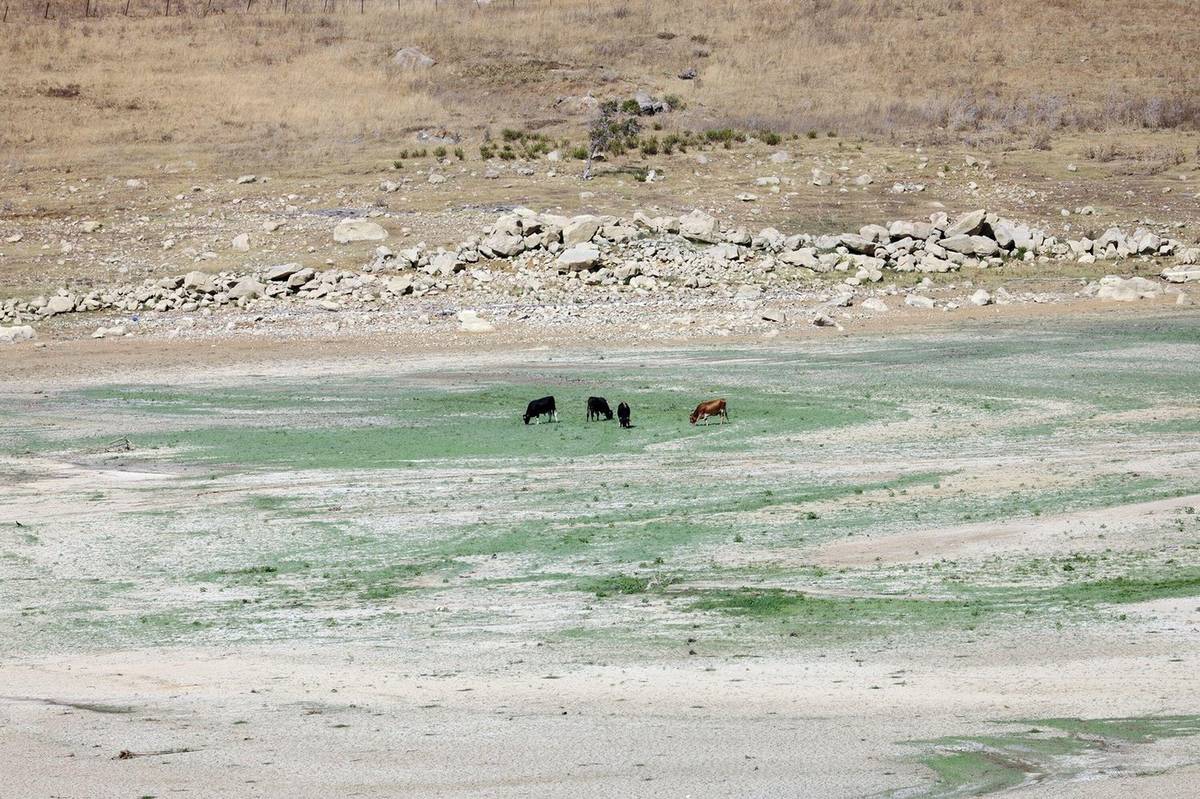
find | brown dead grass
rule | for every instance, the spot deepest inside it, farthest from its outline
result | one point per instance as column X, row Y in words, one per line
column 308, row 83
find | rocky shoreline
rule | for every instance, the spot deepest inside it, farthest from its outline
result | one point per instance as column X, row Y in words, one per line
column 538, row 260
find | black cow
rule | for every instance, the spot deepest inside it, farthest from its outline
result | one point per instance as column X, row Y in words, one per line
column 597, row 407
column 623, row 414
column 541, row 407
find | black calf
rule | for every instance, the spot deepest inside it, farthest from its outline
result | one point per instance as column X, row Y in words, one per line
column 597, row 407
column 623, row 414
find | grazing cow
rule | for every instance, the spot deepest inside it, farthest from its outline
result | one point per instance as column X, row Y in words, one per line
column 710, row 408
column 539, row 408
column 623, row 414
column 597, row 407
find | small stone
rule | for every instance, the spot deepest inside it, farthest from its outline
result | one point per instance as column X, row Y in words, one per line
column 469, row 322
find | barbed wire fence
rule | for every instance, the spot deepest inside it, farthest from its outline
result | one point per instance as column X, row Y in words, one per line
column 64, row 10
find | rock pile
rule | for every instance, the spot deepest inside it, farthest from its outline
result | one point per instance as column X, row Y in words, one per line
column 551, row 258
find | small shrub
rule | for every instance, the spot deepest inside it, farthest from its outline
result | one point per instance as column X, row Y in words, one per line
column 486, row 152
column 397, row 164
column 459, row 154
column 650, row 146
column 439, row 152
column 62, row 92
column 510, row 135
column 812, row 134
column 579, row 153
column 769, row 137
column 631, row 106
column 674, row 102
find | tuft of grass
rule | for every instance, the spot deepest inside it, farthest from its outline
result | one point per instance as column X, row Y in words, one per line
column 621, row 584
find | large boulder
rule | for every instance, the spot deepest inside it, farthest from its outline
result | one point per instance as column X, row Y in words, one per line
column 858, row 244
column 59, row 304
column 1115, row 288
column 282, row 272
column 445, row 264
column 579, row 258
column 875, row 233
column 699, row 226
column 247, row 288
column 648, row 105
column 17, row 333
column 968, row 224
column 970, row 245
column 504, row 244
column 411, row 58
column 805, row 258
column 200, row 282
column 401, row 285
column 1181, row 274
column 580, row 230
column 352, row 230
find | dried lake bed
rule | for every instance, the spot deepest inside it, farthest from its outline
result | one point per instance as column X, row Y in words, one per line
column 900, row 556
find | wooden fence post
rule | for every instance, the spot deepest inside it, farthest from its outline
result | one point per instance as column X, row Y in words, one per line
column 46, row 13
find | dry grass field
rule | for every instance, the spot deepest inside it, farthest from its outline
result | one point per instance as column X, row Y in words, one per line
column 308, row 84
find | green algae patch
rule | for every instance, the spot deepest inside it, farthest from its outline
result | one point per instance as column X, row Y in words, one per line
column 1051, row 751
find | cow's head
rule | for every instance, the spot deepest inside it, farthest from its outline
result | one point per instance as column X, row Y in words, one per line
column 695, row 415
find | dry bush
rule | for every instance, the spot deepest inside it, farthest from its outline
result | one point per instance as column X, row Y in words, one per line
column 216, row 78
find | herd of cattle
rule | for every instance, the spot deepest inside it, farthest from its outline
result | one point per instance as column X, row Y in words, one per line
column 598, row 407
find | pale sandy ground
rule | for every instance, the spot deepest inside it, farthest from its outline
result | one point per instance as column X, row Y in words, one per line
column 375, row 719
column 802, row 727
column 795, row 727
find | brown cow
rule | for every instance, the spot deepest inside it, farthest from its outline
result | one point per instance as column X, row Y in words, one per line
column 710, row 408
